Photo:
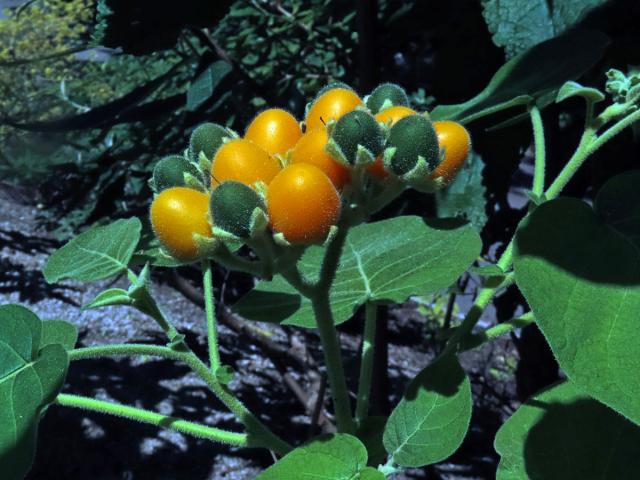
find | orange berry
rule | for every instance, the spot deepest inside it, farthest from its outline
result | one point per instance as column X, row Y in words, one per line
column 176, row 214
column 391, row 115
column 274, row 130
column 310, row 149
column 331, row 105
column 303, row 204
column 243, row 161
column 455, row 142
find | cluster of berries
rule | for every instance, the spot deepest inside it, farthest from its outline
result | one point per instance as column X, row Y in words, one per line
column 293, row 178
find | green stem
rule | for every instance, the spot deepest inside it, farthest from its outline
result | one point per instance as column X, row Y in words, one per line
column 231, row 261
column 540, row 154
column 259, row 434
column 210, row 309
column 589, row 143
column 485, row 295
column 474, row 341
column 328, row 333
column 153, row 418
column 124, row 349
column 366, row 363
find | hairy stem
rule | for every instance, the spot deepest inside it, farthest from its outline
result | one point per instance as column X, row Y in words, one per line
column 366, row 362
column 210, row 310
column 540, row 154
column 153, row 418
column 128, row 349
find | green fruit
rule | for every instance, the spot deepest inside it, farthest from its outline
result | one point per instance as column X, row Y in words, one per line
column 169, row 172
column 387, row 91
column 412, row 137
column 232, row 205
column 206, row 138
column 357, row 128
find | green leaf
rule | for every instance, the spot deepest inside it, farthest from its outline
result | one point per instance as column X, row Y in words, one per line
column 562, row 433
column 535, row 74
column 432, row 418
column 466, row 196
column 112, row 296
column 573, row 89
column 388, row 261
column 581, row 278
column 370, row 473
column 98, row 253
column 29, row 381
column 20, row 328
column 491, row 270
column 205, row 84
column 59, row 332
column 520, row 24
column 618, row 204
column 331, row 457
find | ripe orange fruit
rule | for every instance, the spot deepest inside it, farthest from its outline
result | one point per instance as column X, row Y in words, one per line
column 310, row 149
column 331, row 105
column 303, row 204
column 392, row 114
column 455, row 141
column 176, row 214
column 243, row 161
column 274, row 130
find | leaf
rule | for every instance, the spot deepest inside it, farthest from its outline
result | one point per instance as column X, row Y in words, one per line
column 388, row 261
column 432, row 418
column 618, row 204
column 573, row 89
column 331, row 457
column 112, row 296
column 520, row 24
column 581, row 278
column 59, row 332
column 562, row 433
column 370, row 473
column 205, row 84
column 490, row 270
column 29, row 381
column 531, row 75
column 466, row 196
column 98, row 253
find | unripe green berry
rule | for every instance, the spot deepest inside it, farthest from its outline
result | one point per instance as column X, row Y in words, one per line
column 412, row 137
column 206, row 138
column 169, row 172
column 357, row 128
column 392, row 94
column 231, row 206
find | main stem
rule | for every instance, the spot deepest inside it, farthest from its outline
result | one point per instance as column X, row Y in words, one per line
column 210, row 310
column 328, row 333
column 366, row 363
column 153, row 418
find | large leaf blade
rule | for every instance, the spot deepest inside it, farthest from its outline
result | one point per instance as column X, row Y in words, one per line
column 384, row 261
column 98, row 253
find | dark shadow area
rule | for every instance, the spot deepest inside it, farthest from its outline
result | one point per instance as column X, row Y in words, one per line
column 30, row 284
column 582, row 439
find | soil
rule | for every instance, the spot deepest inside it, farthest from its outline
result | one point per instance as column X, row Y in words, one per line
column 78, row 445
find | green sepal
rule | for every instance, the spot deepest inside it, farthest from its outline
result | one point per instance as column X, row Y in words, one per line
column 112, row 296
column 193, row 182
column 419, row 177
column 206, row 138
column 204, row 163
column 573, row 89
column 207, row 246
column 224, row 235
column 170, row 171
column 333, row 231
column 259, row 222
column 261, row 189
column 279, row 239
column 364, row 157
column 386, row 95
column 176, row 343
column 333, row 149
column 224, row 374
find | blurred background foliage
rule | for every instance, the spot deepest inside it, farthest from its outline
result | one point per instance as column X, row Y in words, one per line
column 93, row 92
